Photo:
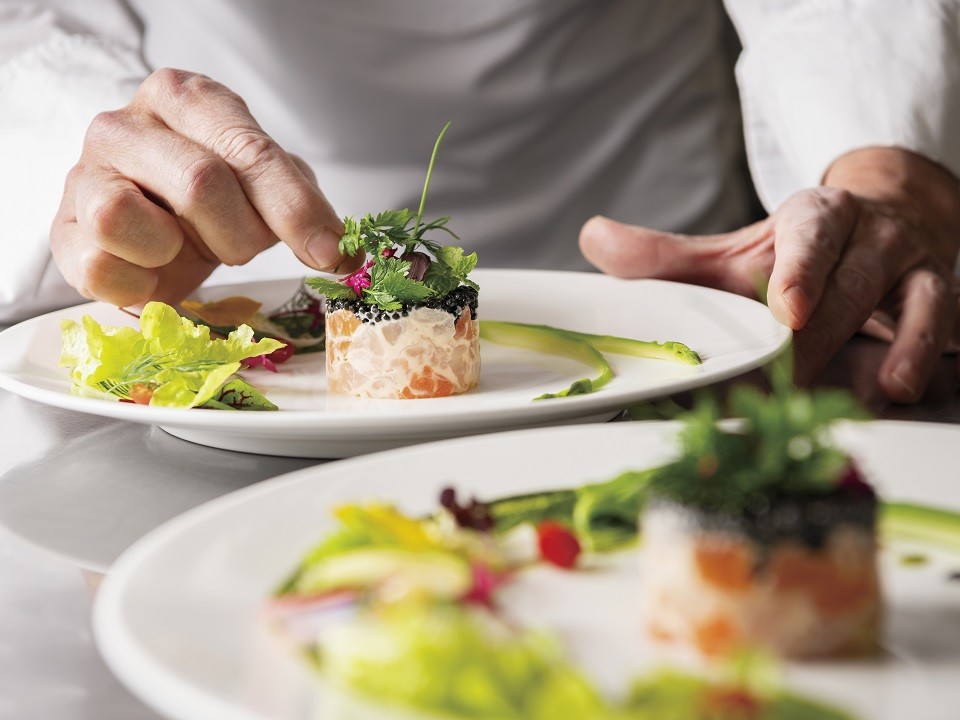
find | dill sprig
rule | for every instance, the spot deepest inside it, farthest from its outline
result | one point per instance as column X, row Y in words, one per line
column 144, row 371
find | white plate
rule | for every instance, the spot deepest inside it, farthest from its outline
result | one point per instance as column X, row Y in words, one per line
column 732, row 334
column 177, row 617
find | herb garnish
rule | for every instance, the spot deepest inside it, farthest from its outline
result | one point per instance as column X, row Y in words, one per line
column 399, row 272
column 781, row 450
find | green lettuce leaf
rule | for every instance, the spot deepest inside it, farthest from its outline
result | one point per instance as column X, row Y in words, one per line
column 457, row 663
column 175, row 359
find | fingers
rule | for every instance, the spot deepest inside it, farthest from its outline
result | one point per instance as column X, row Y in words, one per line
column 927, row 321
column 736, row 262
column 195, row 183
column 121, row 221
column 291, row 206
column 879, row 255
column 96, row 274
column 117, row 246
column 812, row 229
column 854, row 289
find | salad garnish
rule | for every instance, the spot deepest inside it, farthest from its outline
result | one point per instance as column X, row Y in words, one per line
column 403, row 266
column 415, row 616
column 168, row 362
column 730, row 467
column 298, row 322
column 781, row 449
column 405, row 612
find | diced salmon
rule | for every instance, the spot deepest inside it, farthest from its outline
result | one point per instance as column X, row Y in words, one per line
column 424, row 354
column 717, row 636
column 342, row 323
column 465, row 327
column 726, row 565
column 833, row 591
column 427, row 384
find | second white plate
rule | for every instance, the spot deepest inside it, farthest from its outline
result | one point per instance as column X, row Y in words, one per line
column 732, row 334
column 179, row 616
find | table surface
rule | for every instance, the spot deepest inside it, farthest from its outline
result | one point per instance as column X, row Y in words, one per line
column 53, row 462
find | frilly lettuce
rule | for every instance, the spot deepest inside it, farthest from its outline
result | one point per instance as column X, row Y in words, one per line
column 176, row 361
column 457, row 663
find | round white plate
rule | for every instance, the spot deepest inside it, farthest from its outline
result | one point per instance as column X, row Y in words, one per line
column 177, row 618
column 732, row 334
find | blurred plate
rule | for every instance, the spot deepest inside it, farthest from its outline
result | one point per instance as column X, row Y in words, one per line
column 732, row 334
column 177, row 618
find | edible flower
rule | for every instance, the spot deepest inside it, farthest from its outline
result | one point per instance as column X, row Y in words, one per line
column 359, row 280
column 485, row 582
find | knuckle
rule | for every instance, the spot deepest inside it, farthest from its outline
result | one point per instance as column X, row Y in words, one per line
column 936, row 288
column 202, row 178
column 839, row 200
column 812, row 241
column 95, row 274
column 105, row 127
column 168, row 80
column 893, row 235
column 110, row 214
column 817, row 238
column 247, row 148
column 182, row 86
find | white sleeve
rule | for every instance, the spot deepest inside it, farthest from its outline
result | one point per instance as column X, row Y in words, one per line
column 819, row 78
column 56, row 73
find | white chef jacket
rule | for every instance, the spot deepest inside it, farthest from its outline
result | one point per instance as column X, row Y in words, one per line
column 561, row 109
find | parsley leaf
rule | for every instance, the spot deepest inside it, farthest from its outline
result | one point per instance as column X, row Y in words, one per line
column 460, row 265
column 390, row 287
column 331, row 288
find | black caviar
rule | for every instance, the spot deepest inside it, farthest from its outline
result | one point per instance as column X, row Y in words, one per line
column 806, row 518
column 453, row 303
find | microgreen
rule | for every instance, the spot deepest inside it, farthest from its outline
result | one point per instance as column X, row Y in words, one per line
column 387, row 238
column 781, row 449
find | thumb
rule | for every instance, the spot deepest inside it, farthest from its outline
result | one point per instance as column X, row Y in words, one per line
column 730, row 261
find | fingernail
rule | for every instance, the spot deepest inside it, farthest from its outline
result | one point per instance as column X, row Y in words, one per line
column 322, row 248
column 797, row 305
column 904, row 375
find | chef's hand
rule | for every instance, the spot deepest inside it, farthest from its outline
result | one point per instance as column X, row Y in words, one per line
column 177, row 182
column 874, row 248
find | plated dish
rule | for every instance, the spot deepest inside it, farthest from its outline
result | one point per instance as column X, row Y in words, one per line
column 208, row 572
column 731, row 333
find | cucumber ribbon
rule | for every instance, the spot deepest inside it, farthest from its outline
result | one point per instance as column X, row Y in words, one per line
column 582, row 347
